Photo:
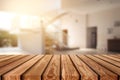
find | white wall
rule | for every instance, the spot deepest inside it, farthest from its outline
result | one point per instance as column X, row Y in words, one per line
column 105, row 20
column 76, row 26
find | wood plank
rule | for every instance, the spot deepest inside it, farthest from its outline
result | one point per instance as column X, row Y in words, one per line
column 116, row 56
column 68, row 70
column 66, row 67
column 109, row 60
column 13, row 65
column 36, row 71
column 17, row 72
column 85, row 72
column 7, row 58
column 111, row 57
column 2, row 56
column 53, row 70
column 107, row 65
column 5, row 62
column 104, row 73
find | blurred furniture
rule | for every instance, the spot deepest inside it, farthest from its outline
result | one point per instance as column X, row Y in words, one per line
column 114, row 45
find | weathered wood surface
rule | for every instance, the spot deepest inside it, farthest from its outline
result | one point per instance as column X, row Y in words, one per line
column 60, row 67
column 85, row 72
column 52, row 72
column 68, row 70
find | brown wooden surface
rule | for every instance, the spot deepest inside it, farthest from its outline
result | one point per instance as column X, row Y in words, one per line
column 21, row 69
column 85, row 72
column 13, row 65
column 36, row 71
column 104, row 73
column 113, row 58
column 68, row 70
column 53, row 70
column 60, row 67
column 109, row 60
column 107, row 65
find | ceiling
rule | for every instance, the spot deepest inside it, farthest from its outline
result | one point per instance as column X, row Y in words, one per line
column 38, row 7
column 88, row 6
column 35, row 7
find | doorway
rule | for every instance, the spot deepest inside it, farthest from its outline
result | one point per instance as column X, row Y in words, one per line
column 65, row 36
column 92, row 37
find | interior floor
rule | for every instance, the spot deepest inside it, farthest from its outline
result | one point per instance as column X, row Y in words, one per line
column 18, row 51
column 80, row 51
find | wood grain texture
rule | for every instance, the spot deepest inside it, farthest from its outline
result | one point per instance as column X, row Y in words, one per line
column 111, row 57
column 11, row 66
column 60, row 67
column 53, row 70
column 68, row 70
column 5, row 62
column 104, row 73
column 6, row 58
column 85, row 72
column 17, row 72
column 36, row 71
column 109, row 66
column 109, row 60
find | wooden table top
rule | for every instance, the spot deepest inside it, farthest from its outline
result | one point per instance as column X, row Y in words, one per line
column 60, row 67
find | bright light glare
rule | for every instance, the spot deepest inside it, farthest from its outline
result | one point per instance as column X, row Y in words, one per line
column 6, row 20
column 9, row 21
